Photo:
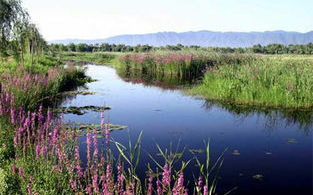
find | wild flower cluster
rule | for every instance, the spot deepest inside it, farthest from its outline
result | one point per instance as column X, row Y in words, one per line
column 48, row 158
column 23, row 89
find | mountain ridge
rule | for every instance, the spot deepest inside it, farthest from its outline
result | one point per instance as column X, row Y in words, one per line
column 203, row 38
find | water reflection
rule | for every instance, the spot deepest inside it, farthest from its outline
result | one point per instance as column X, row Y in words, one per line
column 167, row 82
column 274, row 117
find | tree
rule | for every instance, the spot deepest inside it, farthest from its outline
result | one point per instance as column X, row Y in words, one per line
column 13, row 19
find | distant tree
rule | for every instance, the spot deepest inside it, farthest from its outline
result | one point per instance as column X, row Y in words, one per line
column 71, row 47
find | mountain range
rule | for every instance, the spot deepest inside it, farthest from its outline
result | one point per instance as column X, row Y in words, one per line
column 203, row 38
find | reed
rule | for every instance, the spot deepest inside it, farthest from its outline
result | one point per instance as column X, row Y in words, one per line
column 180, row 64
column 272, row 82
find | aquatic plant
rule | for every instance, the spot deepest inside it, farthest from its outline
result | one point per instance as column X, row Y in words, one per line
column 266, row 82
column 21, row 88
column 181, row 64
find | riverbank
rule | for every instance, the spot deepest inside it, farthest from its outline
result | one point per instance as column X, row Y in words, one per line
column 41, row 155
column 270, row 82
column 277, row 81
column 23, row 121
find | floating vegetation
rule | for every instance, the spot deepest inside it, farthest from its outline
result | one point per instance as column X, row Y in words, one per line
column 291, row 140
column 199, row 151
column 259, row 177
column 95, row 127
column 77, row 93
column 81, row 110
column 236, row 152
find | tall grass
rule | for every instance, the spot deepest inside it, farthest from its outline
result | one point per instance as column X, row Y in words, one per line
column 181, row 64
column 29, row 86
column 94, row 57
column 270, row 82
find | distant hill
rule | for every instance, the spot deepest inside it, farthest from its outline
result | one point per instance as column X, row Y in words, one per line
column 204, row 38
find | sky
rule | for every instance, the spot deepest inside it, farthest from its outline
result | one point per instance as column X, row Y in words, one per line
column 94, row 19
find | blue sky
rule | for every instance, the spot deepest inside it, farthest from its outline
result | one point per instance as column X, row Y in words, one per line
column 91, row 19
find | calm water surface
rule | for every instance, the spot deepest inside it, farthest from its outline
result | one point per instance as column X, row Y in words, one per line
column 277, row 146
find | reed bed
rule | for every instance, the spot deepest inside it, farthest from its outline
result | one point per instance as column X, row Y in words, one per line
column 273, row 82
column 181, row 64
column 28, row 90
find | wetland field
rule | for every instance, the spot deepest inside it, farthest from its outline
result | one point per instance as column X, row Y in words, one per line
column 115, row 119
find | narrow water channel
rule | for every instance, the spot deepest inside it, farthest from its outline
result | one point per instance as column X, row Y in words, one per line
column 268, row 152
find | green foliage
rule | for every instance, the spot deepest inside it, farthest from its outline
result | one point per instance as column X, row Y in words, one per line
column 95, row 57
column 3, row 182
column 189, row 65
column 46, row 180
column 105, row 47
column 270, row 82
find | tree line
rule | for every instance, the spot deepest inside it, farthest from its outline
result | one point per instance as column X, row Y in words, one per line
column 105, row 47
column 18, row 36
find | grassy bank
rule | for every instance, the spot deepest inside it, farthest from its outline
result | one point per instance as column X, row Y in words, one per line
column 90, row 57
column 272, row 81
column 282, row 81
column 30, row 86
column 23, row 87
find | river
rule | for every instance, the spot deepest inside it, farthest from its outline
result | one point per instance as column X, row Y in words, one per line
column 268, row 152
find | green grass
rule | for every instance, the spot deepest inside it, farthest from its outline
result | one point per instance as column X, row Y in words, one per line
column 94, row 57
column 25, row 80
column 180, row 64
column 285, row 82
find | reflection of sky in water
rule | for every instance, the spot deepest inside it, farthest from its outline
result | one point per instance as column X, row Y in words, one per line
column 166, row 116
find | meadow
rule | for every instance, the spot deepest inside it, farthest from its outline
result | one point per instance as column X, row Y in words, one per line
column 40, row 154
